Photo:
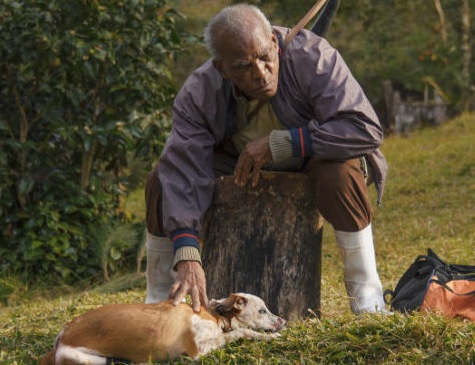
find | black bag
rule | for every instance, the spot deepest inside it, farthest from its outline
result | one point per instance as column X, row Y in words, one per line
column 451, row 288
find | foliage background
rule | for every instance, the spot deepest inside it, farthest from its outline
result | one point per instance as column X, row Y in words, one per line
column 85, row 94
column 59, row 232
column 397, row 40
column 86, row 88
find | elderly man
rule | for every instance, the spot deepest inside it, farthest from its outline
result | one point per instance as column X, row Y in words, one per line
column 259, row 103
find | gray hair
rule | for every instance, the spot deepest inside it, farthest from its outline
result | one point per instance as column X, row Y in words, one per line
column 232, row 19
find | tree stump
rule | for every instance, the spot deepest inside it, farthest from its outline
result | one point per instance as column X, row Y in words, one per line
column 265, row 241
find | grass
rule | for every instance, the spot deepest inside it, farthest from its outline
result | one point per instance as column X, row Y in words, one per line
column 429, row 202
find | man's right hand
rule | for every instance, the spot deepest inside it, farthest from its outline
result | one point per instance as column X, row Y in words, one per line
column 255, row 155
column 191, row 280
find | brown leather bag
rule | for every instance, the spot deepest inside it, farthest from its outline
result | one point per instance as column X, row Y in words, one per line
column 452, row 298
column 431, row 285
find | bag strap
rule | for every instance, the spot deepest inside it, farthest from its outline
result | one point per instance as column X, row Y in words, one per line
column 288, row 38
column 388, row 296
column 432, row 257
column 444, row 285
column 461, row 269
column 306, row 18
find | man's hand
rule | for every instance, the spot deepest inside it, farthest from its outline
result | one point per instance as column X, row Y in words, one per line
column 255, row 155
column 190, row 280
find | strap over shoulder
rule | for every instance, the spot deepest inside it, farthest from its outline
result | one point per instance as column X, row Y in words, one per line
column 306, row 18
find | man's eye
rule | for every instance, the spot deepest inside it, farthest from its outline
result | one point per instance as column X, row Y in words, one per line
column 241, row 66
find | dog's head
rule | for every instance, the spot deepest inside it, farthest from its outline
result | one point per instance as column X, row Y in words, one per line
column 248, row 311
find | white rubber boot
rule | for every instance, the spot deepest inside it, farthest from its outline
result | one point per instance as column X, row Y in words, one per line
column 361, row 276
column 159, row 268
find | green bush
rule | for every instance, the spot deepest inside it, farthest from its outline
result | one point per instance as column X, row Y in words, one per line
column 84, row 92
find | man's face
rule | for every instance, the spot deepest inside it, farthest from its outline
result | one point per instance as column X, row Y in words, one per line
column 251, row 61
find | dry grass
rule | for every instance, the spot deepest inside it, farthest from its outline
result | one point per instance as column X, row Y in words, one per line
column 429, row 202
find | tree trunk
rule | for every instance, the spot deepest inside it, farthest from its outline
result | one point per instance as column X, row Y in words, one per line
column 86, row 164
column 265, row 241
column 466, row 51
column 388, row 97
column 443, row 23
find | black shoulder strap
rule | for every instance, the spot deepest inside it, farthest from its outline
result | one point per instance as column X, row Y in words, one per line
column 441, row 283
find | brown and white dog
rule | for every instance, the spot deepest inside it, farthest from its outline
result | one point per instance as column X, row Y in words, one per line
column 148, row 332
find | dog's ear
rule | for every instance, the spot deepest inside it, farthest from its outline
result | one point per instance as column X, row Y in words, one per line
column 230, row 306
column 239, row 301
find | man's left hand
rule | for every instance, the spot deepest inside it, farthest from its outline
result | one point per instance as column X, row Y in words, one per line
column 255, row 155
column 191, row 280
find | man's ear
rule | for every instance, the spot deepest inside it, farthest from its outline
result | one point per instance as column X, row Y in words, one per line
column 218, row 65
column 275, row 40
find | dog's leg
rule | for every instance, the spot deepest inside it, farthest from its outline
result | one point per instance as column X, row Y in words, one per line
column 77, row 355
column 209, row 337
column 249, row 334
column 48, row 359
column 211, row 343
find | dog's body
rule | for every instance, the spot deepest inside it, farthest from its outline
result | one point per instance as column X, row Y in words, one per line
column 148, row 332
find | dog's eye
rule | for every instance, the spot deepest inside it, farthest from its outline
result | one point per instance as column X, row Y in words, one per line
column 262, row 311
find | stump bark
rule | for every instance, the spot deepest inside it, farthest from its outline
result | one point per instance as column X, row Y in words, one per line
column 265, row 241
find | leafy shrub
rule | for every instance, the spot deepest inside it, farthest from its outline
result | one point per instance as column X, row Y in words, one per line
column 84, row 90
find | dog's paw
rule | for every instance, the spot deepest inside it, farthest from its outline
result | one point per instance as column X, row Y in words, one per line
column 273, row 336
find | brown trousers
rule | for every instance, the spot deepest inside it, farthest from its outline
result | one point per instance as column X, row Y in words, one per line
column 341, row 191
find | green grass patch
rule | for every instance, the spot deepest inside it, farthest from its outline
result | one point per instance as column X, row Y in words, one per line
column 429, row 202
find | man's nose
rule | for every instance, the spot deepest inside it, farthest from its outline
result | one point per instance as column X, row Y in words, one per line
column 259, row 69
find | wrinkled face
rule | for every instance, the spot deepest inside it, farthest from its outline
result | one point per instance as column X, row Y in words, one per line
column 250, row 61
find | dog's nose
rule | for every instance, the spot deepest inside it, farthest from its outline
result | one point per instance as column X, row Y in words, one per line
column 281, row 323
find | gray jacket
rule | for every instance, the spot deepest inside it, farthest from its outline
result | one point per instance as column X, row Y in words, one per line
column 317, row 99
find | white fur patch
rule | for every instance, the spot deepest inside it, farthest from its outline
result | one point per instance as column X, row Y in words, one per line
column 206, row 333
column 77, row 355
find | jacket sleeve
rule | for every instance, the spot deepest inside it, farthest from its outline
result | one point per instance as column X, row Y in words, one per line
column 342, row 122
column 185, row 169
column 186, row 178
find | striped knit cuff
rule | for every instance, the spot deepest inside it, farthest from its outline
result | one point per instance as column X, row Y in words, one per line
column 301, row 142
column 280, row 145
column 186, row 253
column 185, row 237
